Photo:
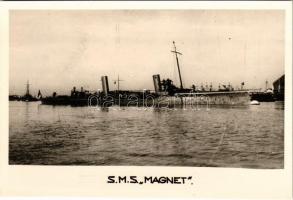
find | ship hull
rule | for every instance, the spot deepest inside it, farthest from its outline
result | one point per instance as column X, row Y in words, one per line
column 179, row 99
column 64, row 101
column 207, row 98
column 184, row 99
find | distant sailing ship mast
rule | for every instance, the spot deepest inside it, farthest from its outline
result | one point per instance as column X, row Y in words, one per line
column 177, row 52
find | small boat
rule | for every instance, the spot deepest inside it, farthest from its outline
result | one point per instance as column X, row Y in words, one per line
column 254, row 102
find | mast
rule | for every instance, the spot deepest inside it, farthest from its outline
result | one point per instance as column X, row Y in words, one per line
column 118, row 83
column 176, row 52
column 27, row 88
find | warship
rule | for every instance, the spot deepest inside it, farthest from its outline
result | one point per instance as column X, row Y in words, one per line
column 165, row 93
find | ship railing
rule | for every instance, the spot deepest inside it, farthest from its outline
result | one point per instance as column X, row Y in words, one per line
column 208, row 93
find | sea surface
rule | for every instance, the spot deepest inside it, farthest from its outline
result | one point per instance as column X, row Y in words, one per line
column 243, row 137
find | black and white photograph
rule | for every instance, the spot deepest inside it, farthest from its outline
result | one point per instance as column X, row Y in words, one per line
column 186, row 88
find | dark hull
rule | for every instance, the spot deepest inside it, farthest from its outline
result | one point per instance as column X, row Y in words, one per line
column 262, row 97
column 152, row 100
column 28, row 99
column 65, row 101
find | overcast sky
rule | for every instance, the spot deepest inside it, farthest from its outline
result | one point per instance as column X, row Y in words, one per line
column 56, row 50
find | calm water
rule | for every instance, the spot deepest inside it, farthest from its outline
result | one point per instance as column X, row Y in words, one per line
column 251, row 137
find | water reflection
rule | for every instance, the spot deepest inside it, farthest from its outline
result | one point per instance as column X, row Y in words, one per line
column 279, row 105
column 251, row 136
